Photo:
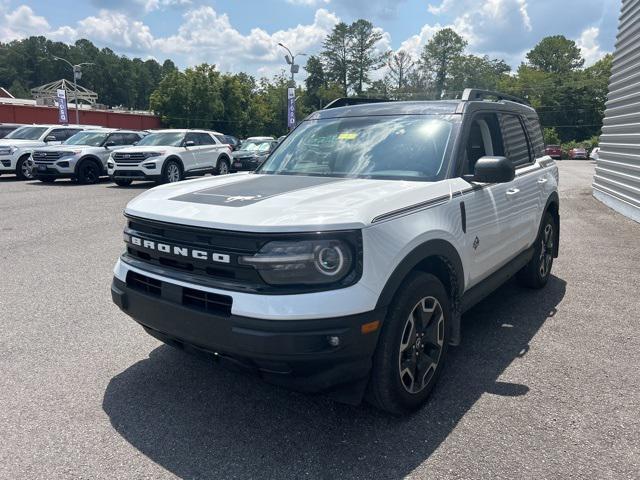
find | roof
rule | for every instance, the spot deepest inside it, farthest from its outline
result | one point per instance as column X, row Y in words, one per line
column 441, row 107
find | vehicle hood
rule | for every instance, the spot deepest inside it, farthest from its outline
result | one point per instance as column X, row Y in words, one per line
column 21, row 143
column 261, row 203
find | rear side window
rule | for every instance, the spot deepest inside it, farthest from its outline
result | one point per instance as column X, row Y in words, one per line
column 516, row 144
column 221, row 138
column 535, row 135
column 205, row 139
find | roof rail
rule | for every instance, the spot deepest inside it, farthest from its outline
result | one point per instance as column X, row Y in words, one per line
column 347, row 101
column 479, row 94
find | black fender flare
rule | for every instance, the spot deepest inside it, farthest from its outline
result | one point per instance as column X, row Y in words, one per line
column 430, row 248
column 553, row 205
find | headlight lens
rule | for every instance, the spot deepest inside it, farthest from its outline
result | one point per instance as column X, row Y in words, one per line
column 307, row 262
column 153, row 154
column 70, row 153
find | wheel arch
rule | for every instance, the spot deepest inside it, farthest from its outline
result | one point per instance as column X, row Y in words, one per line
column 440, row 258
column 177, row 159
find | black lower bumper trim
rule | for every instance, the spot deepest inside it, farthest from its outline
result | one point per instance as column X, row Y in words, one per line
column 292, row 353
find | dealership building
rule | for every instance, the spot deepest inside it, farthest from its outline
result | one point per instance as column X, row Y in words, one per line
column 43, row 109
column 617, row 179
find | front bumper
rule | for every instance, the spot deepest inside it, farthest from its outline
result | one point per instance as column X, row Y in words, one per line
column 292, row 353
column 245, row 164
column 121, row 174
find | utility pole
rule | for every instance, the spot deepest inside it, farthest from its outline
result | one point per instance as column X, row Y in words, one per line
column 290, row 58
column 77, row 75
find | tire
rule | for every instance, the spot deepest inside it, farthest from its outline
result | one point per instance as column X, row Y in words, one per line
column 222, row 168
column 23, row 171
column 88, row 172
column 47, row 179
column 402, row 350
column 535, row 274
column 171, row 172
column 123, row 182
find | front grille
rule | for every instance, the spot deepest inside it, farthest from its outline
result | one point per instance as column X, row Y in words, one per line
column 40, row 156
column 190, row 298
column 129, row 158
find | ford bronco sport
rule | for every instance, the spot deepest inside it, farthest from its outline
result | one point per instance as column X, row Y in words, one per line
column 344, row 263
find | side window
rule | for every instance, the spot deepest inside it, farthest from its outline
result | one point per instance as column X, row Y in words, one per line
column 535, row 134
column 116, row 138
column 131, row 138
column 60, row 134
column 221, row 138
column 70, row 132
column 191, row 137
column 515, row 140
column 205, row 139
column 483, row 139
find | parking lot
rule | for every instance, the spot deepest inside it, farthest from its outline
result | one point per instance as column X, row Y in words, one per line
column 544, row 385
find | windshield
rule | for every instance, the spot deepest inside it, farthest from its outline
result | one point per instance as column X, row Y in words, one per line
column 93, row 139
column 27, row 133
column 254, row 146
column 400, row 147
column 165, row 139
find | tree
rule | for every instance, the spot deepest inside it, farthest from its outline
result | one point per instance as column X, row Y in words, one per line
column 335, row 53
column 439, row 55
column 471, row 71
column 556, row 54
column 551, row 136
column 315, row 81
column 363, row 57
column 400, row 66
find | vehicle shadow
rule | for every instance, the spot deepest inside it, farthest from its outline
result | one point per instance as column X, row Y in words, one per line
column 198, row 420
column 135, row 186
column 64, row 182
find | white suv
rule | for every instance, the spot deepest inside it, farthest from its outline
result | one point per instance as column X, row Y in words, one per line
column 345, row 262
column 82, row 157
column 16, row 147
column 168, row 156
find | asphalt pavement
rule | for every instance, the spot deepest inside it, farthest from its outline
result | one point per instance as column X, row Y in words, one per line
column 546, row 384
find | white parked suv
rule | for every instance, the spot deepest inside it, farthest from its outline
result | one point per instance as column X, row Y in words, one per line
column 168, row 156
column 16, row 147
column 82, row 157
column 344, row 263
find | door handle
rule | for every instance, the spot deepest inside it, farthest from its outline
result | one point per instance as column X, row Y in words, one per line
column 542, row 181
column 513, row 191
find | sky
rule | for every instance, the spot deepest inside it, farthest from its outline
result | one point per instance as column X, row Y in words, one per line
column 242, row 35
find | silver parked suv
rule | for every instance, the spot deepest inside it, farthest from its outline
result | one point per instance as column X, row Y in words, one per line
column 82, row 157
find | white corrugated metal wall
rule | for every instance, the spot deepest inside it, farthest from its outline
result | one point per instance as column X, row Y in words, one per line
column 617, row 179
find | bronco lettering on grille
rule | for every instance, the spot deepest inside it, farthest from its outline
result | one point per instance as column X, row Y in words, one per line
column 180, row 251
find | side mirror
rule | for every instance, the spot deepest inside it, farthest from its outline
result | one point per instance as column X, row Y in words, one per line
column 492, row 170
column 50, row 138
column 110, row 143
column 189, row 143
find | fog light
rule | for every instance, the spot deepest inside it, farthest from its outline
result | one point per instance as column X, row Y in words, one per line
column 333, row 340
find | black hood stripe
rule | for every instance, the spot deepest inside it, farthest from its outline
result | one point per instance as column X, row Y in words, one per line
column 253, row 190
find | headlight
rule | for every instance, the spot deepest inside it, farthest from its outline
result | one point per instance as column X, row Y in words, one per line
column 70, row 153
column 153, row 154
column 307, row 262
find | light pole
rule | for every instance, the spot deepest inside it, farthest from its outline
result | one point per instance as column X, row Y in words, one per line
column 291, row 100
column 77, row 75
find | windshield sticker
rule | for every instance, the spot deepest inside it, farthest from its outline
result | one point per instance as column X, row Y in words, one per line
column 347, row 136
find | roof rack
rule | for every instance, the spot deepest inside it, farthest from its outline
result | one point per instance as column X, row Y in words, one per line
column 348, row 101
column 479, row 94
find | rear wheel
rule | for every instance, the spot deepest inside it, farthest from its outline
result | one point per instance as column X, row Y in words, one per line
column 171, row 173
column 223, row 167
column 88, row 173
column 412, row 346
column 23, row 169
column 123, row 182
column 535, row 274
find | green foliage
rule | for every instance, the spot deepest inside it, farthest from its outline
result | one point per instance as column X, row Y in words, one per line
column 439, row 56
column 551, row 136
column 363, row 57
column 556, row 54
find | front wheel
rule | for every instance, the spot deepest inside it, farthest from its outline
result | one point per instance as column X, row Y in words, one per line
column 88, row 173
column 171, row 173
column 412, row 346
column 535, row 274
column 23, row 169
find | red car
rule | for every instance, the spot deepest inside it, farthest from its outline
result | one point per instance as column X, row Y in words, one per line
column 554, row 151
column 578, row 154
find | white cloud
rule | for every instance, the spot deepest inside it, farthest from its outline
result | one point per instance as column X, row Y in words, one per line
column 309, row 3
column 588, row 44
column 20, row 23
